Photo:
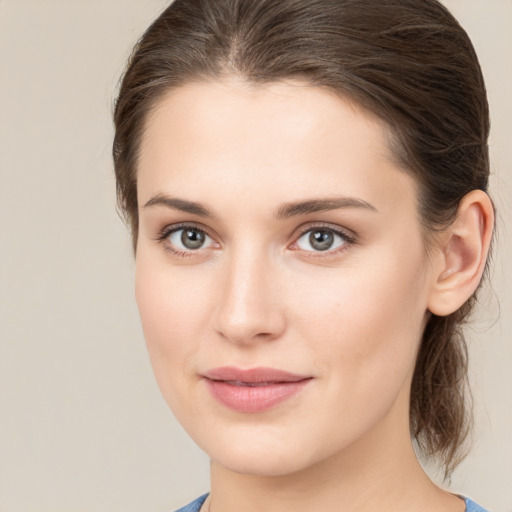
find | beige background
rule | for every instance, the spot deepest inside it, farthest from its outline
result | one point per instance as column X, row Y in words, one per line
column 82, row 424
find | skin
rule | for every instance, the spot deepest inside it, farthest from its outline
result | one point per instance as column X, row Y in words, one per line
column 258, row 293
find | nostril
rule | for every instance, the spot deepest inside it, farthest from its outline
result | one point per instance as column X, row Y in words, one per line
column 253, row 329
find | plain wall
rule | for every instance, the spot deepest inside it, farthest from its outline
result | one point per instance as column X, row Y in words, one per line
column 82, row 424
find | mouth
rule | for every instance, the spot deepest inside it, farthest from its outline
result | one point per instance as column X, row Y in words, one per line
column 250, row 384
column 254, row 390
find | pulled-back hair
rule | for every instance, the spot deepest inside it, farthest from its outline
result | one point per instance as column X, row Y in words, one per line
column 406, row 61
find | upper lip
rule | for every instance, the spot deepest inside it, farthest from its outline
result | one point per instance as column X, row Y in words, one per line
column 253, row 375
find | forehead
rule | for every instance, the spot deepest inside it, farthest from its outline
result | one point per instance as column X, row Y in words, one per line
column 280, row 138
column 290, row 110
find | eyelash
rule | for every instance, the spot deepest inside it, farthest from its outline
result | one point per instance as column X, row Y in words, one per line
column 348, row 240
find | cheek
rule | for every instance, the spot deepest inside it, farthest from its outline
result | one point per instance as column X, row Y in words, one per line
column 366, row 322
column 173, row 310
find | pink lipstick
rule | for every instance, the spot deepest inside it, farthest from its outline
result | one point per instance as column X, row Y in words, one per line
column 254, row 390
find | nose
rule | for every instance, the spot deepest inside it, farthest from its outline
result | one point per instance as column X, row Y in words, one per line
column 250, row 308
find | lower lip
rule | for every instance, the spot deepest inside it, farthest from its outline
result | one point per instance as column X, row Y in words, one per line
column 254, row 398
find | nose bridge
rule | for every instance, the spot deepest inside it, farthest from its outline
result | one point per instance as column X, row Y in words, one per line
column 249, row 307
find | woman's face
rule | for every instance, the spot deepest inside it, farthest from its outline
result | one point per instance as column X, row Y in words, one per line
column 281, row 273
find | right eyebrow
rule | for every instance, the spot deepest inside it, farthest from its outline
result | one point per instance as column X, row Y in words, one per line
column 318, row 205
column 179, row 204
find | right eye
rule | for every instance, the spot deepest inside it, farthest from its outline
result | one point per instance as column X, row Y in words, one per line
column 187, row 239
column 321, row 240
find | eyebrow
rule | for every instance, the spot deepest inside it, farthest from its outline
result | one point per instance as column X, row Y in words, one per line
column 319, row 205
column 285, row 211
column 179, row 204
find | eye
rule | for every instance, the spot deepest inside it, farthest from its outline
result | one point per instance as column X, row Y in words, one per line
column 186, row 239
column 321, row 240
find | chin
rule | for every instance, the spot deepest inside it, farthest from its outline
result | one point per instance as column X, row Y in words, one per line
column 257, row 452
column 261, row 464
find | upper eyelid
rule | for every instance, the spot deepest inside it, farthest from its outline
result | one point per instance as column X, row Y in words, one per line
column 345, row 232
column 171, row 228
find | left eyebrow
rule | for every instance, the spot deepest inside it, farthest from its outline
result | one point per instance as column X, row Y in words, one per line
column 179, row 204
column 319, row 205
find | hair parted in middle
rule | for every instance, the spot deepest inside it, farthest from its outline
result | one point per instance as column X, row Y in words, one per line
column 407, row 62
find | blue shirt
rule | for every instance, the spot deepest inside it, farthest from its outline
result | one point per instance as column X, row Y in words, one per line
column 471, row 506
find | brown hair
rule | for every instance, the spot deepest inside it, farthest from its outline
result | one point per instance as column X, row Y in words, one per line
column 407, row 61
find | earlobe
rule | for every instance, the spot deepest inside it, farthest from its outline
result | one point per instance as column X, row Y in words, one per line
column 463, row 250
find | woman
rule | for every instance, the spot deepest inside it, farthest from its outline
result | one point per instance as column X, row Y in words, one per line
column 305, row 181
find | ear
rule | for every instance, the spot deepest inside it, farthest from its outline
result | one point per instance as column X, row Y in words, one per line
column 461, row 254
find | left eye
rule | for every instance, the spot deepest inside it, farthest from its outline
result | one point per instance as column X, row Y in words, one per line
column 321, row 239
column 189, row 239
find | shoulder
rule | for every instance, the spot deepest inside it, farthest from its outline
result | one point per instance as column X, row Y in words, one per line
column 471, row 506
column 195, row 505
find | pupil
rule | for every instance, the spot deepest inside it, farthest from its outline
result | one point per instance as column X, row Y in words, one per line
column 192, row 239
column 321, row 240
